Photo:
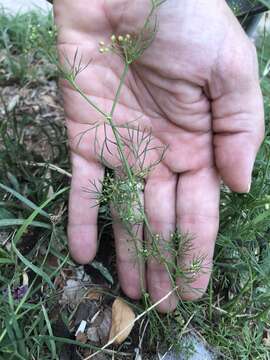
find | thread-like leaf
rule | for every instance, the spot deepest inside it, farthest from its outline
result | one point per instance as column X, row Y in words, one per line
column 16, row 222
column 24, row 200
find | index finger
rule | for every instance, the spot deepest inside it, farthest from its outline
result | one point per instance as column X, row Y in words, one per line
column 83, row 209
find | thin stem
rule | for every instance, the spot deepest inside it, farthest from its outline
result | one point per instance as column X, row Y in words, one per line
column 120, row 144
column 265, row 175
column 78, row 89
column 124, row 160
column 120, row 148
column 118, row 92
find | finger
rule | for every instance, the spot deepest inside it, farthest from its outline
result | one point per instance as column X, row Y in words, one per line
column 128, row 233
column 160, row 192
column 238, row 119
column 198, row 221
column 83, row 210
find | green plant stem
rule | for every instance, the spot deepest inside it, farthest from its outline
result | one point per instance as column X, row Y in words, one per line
column 265, row 174
column 127, row 167
column 121, row 146
column 118, row 92
column 123, row 157
column 121, row 151
column 79, row 90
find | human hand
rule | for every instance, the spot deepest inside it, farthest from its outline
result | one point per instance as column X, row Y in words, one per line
column 197, row 89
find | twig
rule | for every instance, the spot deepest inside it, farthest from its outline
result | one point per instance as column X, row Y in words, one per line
column 51, row 167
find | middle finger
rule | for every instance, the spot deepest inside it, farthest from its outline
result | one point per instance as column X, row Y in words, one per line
column 160, row 194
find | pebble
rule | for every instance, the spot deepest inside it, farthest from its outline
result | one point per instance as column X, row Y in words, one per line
column 198, row 352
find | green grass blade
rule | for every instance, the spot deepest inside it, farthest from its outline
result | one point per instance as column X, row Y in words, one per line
column 27, row 202
column 266, row 3
column 16, row 222
column 52, row 342
column 31, row 218
column 15, row 325
column 6, row 261
column 21, row 231
column 103, row 270
column 33, row 267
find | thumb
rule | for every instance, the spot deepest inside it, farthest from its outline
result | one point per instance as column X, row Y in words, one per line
column 238, row 116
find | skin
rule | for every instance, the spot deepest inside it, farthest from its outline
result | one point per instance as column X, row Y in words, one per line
column 197, row 89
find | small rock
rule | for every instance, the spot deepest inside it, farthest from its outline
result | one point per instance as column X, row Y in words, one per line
column 192, row 349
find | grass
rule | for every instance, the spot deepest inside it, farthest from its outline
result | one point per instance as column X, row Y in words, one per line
column 22, row 40
column 234, row 315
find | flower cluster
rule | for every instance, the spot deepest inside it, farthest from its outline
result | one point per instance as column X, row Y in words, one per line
column 122, row 195
column 128, row 47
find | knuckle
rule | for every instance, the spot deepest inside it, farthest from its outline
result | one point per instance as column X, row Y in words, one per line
column 241, row 64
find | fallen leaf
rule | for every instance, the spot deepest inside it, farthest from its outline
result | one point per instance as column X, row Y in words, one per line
column 73, row 293
column 94, row 294
column 122, row 321
column 13, row 103
column 48, row 100
column 85, row 311
column 92, row 334
column 81, row 337
column 99, row 330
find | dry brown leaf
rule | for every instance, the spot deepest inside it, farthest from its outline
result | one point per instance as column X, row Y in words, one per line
column 94, row 294
column 81, row 337
column 122, row 318
column 99, row 330
column 72, row 294
column 92, row 335
column 48, row 100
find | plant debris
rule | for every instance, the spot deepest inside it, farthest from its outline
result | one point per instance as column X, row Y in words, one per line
column 73, row 293
column 99, row 330
column 122, row 321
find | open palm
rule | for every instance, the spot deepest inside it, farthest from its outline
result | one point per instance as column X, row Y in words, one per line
column 196, row 90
